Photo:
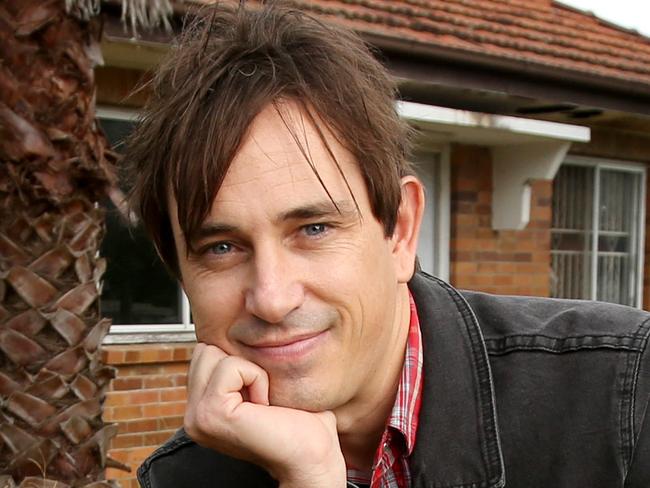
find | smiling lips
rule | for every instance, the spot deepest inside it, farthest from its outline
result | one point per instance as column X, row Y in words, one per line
column 290, row 348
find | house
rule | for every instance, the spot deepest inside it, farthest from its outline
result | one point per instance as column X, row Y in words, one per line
column 533, row 123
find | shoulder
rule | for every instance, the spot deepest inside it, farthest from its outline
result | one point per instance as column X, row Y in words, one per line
column 560, row 325
column 180, row 463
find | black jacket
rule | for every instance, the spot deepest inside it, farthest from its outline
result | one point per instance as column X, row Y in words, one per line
column 518, row 392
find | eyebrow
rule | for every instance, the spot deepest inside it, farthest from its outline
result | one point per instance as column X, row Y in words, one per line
column 343, row 208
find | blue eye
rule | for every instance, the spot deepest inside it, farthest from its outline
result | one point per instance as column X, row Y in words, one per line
column 221, row 248
column 315, row 229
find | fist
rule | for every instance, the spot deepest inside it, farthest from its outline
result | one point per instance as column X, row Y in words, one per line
column 228, row 410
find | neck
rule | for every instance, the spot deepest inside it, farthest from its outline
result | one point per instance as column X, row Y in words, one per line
column 362, row 421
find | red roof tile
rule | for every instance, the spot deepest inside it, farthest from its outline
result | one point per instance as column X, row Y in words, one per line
column 540, row 32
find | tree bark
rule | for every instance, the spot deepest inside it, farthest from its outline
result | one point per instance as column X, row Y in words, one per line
column 53, row 170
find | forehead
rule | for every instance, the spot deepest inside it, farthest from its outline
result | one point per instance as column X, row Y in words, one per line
column 286, row 158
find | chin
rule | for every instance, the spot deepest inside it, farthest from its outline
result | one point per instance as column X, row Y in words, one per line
column 298, row 396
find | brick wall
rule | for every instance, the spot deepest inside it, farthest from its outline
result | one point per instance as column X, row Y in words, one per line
column 504, row 262
column 146, row 399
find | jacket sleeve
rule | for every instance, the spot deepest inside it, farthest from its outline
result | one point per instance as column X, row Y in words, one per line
column 638, row 476
column 639, row 473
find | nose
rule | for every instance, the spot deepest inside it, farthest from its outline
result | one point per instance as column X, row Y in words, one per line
column 275, row 289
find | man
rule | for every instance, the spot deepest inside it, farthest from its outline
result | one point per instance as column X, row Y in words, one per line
column 271, row 171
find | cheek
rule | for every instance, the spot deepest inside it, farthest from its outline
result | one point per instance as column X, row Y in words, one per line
column 215, row 307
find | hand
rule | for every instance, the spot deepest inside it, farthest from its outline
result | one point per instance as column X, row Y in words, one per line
column 228, row 410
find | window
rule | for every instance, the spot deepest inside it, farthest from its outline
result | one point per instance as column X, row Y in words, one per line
column 138, row 294
column 598, row 230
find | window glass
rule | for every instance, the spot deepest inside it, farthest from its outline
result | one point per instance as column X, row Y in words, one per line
column 596, row 233
column 619, row 200
column 137, row 288
column 573, row 191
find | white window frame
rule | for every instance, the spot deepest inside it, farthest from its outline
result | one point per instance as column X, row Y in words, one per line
column 142, row 333
column 600, row 164
column 433, row 248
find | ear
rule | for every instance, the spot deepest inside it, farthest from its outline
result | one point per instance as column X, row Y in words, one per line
column 407, row 227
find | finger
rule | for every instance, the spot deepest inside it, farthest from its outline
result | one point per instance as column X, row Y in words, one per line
column 233, row 374
column 196, row 353
column 204, row 360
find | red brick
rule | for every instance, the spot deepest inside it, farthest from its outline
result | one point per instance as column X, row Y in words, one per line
column 111, row 355
column 486, row 233
column 157, row 438
column 488, row 256
column 173, row 394
column 163, row 409
column 173, row 422
column 503, row 280
column 132, row 356
column 183, row 353
column 175, row 368
column 532, row 268
column 126, row 384
column 455, row 256
column 507, row 267
column 463, row 268
column 158, row 381
column 122, row 413
column 136, row 397
column 127, row 440
column 141, row 425
column 464, row 196
column 466, row 184
column 137, row 370
column 118, row 474
column 485, row 267
column 466, row 220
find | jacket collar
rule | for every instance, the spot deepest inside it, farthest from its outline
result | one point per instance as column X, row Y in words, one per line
column 457, row 440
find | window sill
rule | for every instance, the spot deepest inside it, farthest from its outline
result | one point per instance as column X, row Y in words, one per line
column 146, row 337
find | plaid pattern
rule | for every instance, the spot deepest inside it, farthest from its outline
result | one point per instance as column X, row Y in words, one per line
column 390, row 467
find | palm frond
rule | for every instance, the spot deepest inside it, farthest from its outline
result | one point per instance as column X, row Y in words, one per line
column 83, row 9
column 147, row 14
column 136, row 14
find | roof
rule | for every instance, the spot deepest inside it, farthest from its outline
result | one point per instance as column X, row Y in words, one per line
column 538, row 32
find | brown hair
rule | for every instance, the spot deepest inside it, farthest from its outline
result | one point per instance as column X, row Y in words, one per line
column 229, row 65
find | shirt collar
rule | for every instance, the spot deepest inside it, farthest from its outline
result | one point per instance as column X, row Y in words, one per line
column 406, row 410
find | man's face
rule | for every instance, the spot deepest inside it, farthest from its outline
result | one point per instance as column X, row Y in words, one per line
column 283, row 279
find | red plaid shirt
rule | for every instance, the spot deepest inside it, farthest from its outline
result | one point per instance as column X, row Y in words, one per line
column 390, row 466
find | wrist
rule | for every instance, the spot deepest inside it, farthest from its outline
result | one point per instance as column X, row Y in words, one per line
column 330, row 475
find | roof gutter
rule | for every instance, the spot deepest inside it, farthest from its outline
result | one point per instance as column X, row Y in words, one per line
column 438, row 65
column 410, row 59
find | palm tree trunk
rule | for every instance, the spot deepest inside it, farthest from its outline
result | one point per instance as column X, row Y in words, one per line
column 53, row 170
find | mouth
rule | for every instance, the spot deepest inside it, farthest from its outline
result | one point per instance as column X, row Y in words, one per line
column 288, row 348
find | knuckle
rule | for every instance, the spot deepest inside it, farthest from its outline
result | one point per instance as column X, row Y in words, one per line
column 229, row 362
